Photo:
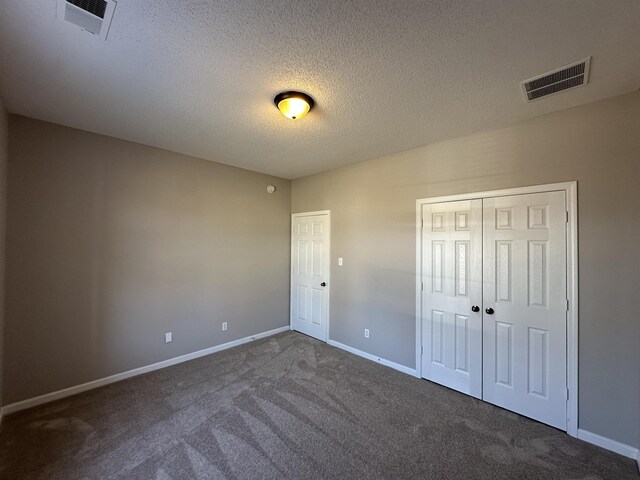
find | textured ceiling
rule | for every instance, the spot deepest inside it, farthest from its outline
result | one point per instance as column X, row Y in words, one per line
column 198, row 77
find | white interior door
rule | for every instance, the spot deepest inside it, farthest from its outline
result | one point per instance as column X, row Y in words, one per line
column 452, row 295
column 310, row 264
column 525, row 300
column 507, row 256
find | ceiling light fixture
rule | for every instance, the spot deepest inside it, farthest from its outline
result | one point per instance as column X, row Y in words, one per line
column 294, row 104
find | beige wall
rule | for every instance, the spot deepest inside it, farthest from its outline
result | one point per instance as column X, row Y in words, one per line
column 4, row 125
column 110, row 244
column 373, row 228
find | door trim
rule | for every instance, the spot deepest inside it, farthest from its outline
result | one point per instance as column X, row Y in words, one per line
column 291, row 286
column 571, row 195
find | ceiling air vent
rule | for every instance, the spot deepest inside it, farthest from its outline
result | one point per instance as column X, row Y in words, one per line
column 571, row 76
column 93, row 16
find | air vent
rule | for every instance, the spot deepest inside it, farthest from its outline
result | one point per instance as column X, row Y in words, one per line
column 94, row 7
column 564, row 78
column 93, row 16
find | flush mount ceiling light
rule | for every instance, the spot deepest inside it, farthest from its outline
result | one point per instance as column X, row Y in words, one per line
column 294, row 105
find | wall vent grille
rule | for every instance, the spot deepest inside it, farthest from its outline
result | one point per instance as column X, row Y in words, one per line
column 93, row 16
column 94, row 7
column 558, row 80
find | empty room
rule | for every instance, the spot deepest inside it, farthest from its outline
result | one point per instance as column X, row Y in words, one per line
column 319, row 239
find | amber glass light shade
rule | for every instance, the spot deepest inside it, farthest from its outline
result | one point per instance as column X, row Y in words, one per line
column 294, row 105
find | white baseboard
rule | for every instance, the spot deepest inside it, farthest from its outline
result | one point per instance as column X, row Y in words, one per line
column 614, row 446
column 67, row 392
column 368, row 356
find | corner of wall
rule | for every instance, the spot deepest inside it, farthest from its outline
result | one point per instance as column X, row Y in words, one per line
column 4, row 153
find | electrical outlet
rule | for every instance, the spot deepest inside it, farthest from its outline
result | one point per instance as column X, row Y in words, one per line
column 366, row 333
column 224, row 326
column 340, row 261
column 168, row 337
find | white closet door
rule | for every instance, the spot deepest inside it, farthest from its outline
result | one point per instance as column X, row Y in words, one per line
column 310, row 274
column 525, row 300
column 452, row 285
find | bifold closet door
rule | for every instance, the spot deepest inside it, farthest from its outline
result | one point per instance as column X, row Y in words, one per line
column 452, row 295
column 525, row 305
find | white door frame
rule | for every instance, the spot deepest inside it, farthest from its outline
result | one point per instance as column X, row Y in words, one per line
column 571, row 193
column 291, row 286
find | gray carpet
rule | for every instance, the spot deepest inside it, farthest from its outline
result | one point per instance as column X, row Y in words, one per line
column 288, row 407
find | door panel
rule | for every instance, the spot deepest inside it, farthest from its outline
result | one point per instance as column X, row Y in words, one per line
column 508, row 256
column 310, row 268
column 524, row 340
column 452, row 283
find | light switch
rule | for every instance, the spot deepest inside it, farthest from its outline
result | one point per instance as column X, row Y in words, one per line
column 340, row 261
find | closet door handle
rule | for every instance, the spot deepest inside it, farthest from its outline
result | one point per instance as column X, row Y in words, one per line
column 475, row 308
column 489, row 311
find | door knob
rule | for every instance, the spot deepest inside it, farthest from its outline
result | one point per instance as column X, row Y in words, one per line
column 489, row 310
column 475, row 308
column 323, row 284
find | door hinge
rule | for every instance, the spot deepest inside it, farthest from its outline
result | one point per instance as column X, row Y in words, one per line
column 567, row 394
column 422, row 286
column 567, row 304
column 421, row 349
column 422, row 222
column 567, row 217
